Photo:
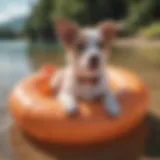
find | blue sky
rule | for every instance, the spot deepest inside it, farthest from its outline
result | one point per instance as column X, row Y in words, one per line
column 10, row 9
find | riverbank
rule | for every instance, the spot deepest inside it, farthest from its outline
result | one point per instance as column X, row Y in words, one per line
column 137, row 43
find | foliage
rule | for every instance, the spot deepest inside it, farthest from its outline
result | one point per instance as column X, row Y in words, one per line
column 69, row 8
column 135, row 13
column 150, row 32
column 39, row 25
column 139, row 13
column 7, row 33
column 90, row 11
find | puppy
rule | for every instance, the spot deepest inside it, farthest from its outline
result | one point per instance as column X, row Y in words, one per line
column 85, row 74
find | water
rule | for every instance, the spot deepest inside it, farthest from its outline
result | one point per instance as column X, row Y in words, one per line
column 17, row 61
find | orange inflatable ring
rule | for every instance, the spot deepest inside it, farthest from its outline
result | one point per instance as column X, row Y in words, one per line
column 39, row 114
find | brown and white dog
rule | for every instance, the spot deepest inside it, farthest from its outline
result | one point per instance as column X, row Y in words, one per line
column 85, row 74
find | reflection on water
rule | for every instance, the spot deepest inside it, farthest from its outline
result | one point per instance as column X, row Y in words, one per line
column 17, row 62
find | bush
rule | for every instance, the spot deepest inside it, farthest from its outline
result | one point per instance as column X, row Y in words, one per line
column 8, row 33
column 150, row 32
column 139, row 14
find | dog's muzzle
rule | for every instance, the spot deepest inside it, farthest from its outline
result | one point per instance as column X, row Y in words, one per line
column 94, row 62
column 88, row 80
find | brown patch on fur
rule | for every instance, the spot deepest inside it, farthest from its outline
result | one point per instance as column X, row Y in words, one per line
column 66, row 32
column 108, row 32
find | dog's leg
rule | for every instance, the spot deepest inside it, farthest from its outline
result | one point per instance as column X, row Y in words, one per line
column 69, row 102
column 110, row 103
column 65, row 93
column 57, row 79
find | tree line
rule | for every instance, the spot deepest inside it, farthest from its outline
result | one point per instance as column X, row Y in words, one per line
column 132, row 13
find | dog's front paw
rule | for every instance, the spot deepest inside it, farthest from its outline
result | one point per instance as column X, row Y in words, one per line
column 69, row 104
column 70, row 109
column 112, row 107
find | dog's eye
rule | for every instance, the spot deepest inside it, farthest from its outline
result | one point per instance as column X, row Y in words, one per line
column 100, row 44
column 80, row 47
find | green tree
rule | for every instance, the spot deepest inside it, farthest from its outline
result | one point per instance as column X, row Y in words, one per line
column 69, row 8
column 39, row 25
column 8, row 33
column 135, row 13
column 90, row 11
column 140, row 13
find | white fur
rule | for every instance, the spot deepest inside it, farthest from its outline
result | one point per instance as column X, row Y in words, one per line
column 70, row 88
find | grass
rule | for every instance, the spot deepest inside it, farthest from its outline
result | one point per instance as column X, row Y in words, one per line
column 150, row 54
column 150, row 32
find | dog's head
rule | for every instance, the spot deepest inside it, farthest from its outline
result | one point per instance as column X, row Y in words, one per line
column 86, row 48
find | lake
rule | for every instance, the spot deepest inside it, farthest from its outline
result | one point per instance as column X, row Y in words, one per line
column 17, row 60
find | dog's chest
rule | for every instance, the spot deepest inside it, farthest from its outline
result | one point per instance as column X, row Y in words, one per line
column 88, row 91
column 83, row 90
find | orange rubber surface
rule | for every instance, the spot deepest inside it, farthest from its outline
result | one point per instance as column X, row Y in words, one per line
column 37, row 112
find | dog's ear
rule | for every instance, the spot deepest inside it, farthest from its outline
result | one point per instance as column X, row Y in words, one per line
column 107, row 31
column 66, row 31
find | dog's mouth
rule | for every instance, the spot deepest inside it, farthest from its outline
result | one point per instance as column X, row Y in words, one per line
column 87, row 80
column 93, row 66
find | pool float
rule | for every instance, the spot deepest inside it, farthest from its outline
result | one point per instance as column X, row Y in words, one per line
column 41, row 115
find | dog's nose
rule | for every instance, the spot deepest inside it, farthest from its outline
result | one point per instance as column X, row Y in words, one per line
column 94, row 62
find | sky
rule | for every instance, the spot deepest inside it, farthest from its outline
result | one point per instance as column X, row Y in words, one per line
column 10, row 9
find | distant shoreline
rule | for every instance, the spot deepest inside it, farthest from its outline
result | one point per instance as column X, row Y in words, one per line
column 136, row 43
column 119, row 42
